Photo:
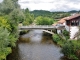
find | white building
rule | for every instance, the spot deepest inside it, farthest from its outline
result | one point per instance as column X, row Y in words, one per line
column 71, row 24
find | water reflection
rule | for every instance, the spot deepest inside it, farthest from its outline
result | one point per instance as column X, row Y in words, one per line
column 34, row 36
column 36, row 46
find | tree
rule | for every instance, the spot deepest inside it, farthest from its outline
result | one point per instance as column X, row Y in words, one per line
column 4, row 42
column 11, row 14
column 4, row 23
column 29, row 18
column 16, row 16
column 7, row 6
column 44, row 20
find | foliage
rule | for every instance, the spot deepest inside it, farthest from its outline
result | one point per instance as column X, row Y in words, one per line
column 56, row 38
column 7, row 6
column 4, row 23
column 16, row 16
column 4, row 42
column 66, row 34
column 70, row 48
column 10, row 16
column 53, row 15
column 12, row 40
column 29, row 18
column 44, row 21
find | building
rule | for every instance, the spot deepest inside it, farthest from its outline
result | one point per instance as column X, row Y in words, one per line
column 71, row 24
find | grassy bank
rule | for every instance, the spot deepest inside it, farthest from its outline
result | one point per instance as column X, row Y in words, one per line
column 70, row 48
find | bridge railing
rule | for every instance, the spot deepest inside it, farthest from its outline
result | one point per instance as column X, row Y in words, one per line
column 37, row 26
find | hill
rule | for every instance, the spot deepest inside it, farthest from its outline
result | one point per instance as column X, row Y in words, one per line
column 55, row 15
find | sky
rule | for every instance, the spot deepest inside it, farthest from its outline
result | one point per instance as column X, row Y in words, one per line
column 1, row 0
column 50, row 5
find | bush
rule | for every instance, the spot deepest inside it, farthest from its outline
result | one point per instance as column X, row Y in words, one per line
column 4, row 42
column 66, row 34
column 70, row 48
column 56, row 38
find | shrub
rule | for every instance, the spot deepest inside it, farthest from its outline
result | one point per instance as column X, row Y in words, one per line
column 4, row 42
column 66, row 34
column 56, row 38
column 70, row 48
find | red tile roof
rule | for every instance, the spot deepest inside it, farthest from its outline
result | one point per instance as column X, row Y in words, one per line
column 72, row 17
column 61, row 21
column 67, row 18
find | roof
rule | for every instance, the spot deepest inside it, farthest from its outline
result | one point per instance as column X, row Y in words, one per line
column 67, row 18
column 54, row 24
column 61, row 21
column 72, row 17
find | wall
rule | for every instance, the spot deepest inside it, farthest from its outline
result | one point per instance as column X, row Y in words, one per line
column 73, row 30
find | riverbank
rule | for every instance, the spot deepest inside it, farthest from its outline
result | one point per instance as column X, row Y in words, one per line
column 70, row 48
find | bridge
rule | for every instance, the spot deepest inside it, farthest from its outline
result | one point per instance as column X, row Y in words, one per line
column 30, row 27
column 45, row 28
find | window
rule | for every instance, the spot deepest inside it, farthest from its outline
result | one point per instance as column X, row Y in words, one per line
column 68, row 23
column 74, row 23
column 77, row 23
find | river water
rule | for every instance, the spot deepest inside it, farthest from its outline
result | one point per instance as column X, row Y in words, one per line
column 36, row 46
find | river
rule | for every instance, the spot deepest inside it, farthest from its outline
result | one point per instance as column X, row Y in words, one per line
column 36, row 46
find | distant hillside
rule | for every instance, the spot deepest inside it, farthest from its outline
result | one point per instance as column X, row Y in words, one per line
column 74, row 11
column 55, row 15
column 40, row 13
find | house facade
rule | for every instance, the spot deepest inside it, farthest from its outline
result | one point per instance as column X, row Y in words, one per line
column 71, row 24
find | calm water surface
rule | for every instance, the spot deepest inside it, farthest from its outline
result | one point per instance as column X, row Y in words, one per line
column 36, row 46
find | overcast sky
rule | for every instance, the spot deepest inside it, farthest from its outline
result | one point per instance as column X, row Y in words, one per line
column 51, row 5
column 1, row 0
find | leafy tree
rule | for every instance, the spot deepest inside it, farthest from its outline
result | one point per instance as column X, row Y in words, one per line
column 44, row 21
column 4, row 23
column 29, row 18
column 10, row 16
column 7, row 6
column 16, row 16
column 4, row 42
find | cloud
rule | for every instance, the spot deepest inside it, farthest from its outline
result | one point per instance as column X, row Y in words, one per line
column 1, row 1
column 51, row 5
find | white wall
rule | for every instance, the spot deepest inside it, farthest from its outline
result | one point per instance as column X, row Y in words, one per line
column 73, row 30
column 67, row 28
column 58, row 31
